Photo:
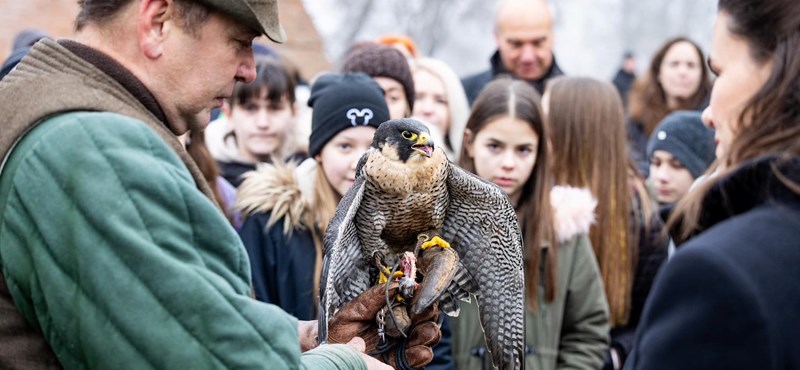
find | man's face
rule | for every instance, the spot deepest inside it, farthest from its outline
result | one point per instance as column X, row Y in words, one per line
column 200, row 69
column 525, row 42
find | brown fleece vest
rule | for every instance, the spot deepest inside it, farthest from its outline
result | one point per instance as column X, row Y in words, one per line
column 54, row 79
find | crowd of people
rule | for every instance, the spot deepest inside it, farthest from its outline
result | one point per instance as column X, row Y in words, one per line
column 167, row 182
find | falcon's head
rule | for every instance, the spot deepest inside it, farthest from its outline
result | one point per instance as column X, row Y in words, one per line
column 402, row 139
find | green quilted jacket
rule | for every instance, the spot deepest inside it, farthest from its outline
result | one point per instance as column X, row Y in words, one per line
column 108, row 247
column 111, row 250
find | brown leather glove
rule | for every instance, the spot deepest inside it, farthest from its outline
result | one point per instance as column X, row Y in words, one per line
column 357, row 318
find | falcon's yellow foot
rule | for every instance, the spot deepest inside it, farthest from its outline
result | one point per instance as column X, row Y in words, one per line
column 435, row 241
column 383, row 277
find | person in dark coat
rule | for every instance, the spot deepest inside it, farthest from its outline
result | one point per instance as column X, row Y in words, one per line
column 625, row 76
column 730, row 296
column 524, row 37
column 23, row 43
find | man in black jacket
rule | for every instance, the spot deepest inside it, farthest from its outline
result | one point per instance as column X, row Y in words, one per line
column 524, row 37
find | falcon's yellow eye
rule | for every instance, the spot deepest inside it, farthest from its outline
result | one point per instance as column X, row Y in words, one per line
column 408, row 135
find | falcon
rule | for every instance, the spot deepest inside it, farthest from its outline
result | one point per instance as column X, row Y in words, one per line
column 411, row 211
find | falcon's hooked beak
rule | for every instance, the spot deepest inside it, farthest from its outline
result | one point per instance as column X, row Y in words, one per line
column 424, row 145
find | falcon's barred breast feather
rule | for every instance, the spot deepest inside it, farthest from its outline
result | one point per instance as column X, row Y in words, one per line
column 405, row 192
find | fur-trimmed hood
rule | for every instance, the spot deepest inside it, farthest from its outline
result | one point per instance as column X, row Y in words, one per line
column 221, row 144
column 285, row 190
column 573, row 211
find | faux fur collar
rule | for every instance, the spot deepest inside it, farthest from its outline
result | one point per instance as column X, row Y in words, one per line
column 573, row 211
column 285, row 190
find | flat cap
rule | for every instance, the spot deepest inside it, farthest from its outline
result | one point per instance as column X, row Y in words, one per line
column 261, row 15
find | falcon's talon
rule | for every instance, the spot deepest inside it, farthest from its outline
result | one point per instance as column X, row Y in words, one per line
column 435, row 241
column 383, row 278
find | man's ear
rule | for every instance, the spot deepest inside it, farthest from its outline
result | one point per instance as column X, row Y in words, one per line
column 156, row 19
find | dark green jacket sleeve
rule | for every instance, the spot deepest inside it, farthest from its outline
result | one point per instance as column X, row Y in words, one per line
column 584, row 331
column 109, row 249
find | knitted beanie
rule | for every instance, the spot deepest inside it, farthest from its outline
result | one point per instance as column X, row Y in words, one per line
column 382, row 61
column 683, row 135
column 341, row 101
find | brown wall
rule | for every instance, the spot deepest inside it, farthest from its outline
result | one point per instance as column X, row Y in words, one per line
column 53, row 16
column 304, row 46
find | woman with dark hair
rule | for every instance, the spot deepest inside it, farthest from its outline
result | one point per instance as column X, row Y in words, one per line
column 677, row 79
column 566, row 310
column 587, row 136
column 730, row 297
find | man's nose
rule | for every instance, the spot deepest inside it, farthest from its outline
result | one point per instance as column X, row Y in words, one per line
column 528, row 52
column 247, row 70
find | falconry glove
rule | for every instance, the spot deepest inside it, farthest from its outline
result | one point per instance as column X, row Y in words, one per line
column 357, row 319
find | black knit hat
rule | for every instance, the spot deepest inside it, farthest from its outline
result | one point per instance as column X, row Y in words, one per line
column 683, row 135
column 382, row 61
column 341, row 101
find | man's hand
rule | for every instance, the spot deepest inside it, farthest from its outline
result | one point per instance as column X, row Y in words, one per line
column 307, row 331
column 357, row 319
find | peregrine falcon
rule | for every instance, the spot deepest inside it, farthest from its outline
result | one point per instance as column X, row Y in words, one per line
column 407, row 197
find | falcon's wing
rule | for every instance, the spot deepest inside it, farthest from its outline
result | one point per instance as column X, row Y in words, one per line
column 344, row 274
column 482, row 227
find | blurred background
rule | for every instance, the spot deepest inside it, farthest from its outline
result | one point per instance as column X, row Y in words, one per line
column 591, row 35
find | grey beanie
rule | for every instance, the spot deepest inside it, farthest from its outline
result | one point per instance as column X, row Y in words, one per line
column 683, row 135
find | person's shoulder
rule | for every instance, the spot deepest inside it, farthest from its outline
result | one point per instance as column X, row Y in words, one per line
column 91, row 120
column 477, row 79
column 83, row 133
column 770, row 226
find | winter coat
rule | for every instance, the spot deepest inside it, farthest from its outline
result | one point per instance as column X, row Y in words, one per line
column 282, row 252
column 729, row 298
column 277, row 233
column 572, row 330
column 623, row 81
column 112, row 255
column 473, row 85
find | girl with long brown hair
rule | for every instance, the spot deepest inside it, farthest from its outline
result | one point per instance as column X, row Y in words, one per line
column 677, row 79
column 587, row 135
column 730, row 296
column 567, row 314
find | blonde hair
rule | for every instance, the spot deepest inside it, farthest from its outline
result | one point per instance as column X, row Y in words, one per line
column 457, row 104
column 323, row 205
